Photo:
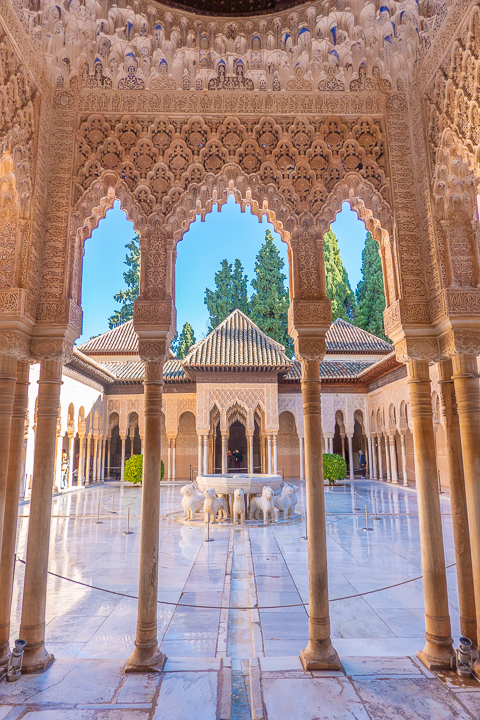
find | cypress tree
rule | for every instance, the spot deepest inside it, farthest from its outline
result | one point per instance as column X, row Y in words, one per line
column 370, row 291
column 230, row 293
column 269, row 303
column 185, row 341
column 132, row 279
column 339, row 290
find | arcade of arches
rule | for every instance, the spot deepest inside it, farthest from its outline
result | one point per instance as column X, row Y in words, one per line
column 292, row 113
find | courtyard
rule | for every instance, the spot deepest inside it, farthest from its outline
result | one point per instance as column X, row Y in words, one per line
column 232, row 614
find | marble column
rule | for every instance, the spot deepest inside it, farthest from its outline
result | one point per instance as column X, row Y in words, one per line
column 467, row 391
column 87, row 459
column 380, row 458
column 404, row 460
column 393, row 459
column 224, row 455
column 102, row 468
column 350, row 455
column 57, row 473
column 438, row 647
column 387, row 458
column 319, row 653
column 275, row 455
column 250, row 454
column 374, row 457
column 147, row 656
column 270, row 464
column 458, row 500
column 174, row 458
column 342, row 438
column 169, row 460
column 302, row 461
column 370, row 456
column 12, row 497
column 109, row 455
column 205, row 454
column 200, row 455
column 71, row 459
column 122, row 467
column 8, row 374
column 32, row 628
column 95, row 459
column 81, row 461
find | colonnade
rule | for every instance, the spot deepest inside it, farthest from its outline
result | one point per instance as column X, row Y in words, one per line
column 384, row 444
column 460, row 395
column 268, row 455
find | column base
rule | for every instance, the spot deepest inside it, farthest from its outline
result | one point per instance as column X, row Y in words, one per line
column 320, row 655
column 436, row 655
column 36, row 659
column 146, row 659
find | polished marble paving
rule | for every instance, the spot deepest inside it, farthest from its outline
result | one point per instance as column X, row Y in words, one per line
column 375, row 590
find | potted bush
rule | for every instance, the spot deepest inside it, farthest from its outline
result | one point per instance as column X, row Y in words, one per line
column 134, row 470
column 334, row 467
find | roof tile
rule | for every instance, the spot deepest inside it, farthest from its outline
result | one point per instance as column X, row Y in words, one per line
column 344, row 337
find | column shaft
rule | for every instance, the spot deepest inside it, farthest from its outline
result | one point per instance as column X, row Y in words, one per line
column 275, row 456
column 174, row 458
column 387, row 459
column 404, row 460
column 250, row 445
column 32, row 627
column 147, row 656
column 71, row 459
column 14, row 481
column 458, row 499
column 109, row 454
column 380, row 459
column 8, row 374
column 467, row 391
column 393, row 459
column 270, row 464
column 374, row 457
column 81, row 461
column 169, row 460
column 87, row 459
column 224, row 456
column 205, row 454
column 319, row 653
column 122, row 468
column 438, row 647
column 302, row 459
column 350, row 456
column 200, row 455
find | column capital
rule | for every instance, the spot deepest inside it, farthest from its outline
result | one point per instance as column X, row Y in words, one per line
column 411, row 349
column 309, row 349
column 458, row 342
column 51, row 349
column 15, row 344
column 153, row 350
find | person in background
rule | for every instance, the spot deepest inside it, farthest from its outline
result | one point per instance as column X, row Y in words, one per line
column 363, row 462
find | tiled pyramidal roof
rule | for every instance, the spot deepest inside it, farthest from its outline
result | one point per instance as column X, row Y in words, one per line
column 134, row 371
column 237, row 342
column 330, row 370
column 342, row 337
column 122, row 339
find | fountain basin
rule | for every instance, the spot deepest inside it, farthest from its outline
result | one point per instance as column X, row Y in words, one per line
column 228, row 483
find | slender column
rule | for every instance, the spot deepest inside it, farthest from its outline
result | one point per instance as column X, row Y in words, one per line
column 147, row 656
column 205, row 454
column 102, row 467
column 109, row 454
column 81, row 461
column 200, row 455
column 370, row 456
column 12, row 497
column 95, row 454
column 438, row 647
column 275, row 456
column 224, row 455
column 380, row 458
column 458, row 500
column 374, row 457
column 319, row 653
column 250, row 445
column 32, row 627
column 57, row 475
column 122, row 468
column 174, row 458
column 393, row 460
column 169, row 460
column 71, row 459
column 302, row 463
column 342, row 438
column 87, row 459
column 350, row 455
column 269, row 439
column 404, row 460
column 8, row 374
column 467, row 391
column 387, row 458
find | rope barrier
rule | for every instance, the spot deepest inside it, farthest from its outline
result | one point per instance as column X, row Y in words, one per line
column 233, row 607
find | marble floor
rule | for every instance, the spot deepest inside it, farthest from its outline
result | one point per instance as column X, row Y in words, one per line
column 374, row 583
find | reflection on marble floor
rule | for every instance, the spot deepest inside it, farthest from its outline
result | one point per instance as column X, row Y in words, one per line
column 84, row 622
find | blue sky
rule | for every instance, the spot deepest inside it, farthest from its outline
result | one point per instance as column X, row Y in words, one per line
column 227, row 234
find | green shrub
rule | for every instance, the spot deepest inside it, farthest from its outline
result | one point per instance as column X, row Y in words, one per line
column 334, row 467
column 134, row 469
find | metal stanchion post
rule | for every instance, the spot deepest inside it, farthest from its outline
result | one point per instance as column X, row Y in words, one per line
column 305, row 537
column 367, row 529
column 128, row 531
column 356, row 501
column 112, row 510
column 98, row 521
column 208, row 538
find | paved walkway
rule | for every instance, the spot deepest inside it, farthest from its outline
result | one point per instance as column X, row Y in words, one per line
column 376, row 611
